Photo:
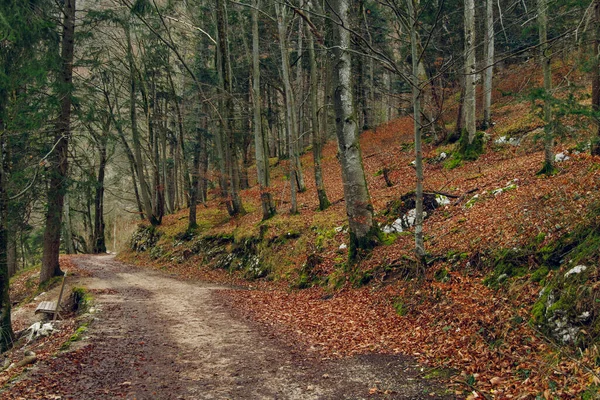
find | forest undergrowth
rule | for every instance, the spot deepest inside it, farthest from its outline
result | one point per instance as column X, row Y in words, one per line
column 468, row 314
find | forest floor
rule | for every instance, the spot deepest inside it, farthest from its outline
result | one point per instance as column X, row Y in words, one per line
column 154, row 336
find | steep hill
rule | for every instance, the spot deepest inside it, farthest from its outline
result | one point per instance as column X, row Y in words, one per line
column 500, row 308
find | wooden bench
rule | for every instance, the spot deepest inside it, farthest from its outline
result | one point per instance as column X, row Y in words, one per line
column 52, row 307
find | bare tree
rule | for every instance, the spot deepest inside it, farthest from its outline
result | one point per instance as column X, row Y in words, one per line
column 545, row 58
column 260, row 143
column 488, row 73
column 470, row 68
column 363, row 230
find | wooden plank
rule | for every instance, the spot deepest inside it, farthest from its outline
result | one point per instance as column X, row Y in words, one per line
column 47, row 307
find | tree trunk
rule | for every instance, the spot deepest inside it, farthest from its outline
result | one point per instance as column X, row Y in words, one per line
column 262, row 160
column 290, row 109
column 234, row 201
column 595, row 145
column 363, row 231
column 470, row 68
column 488, row 73
column 135, row 135
column 99, row 239
column 68, row 227
column 58, row 184
column 545, row 58
column 416, row 95
column 317, row 137
column 12, row 256
column 7, row 335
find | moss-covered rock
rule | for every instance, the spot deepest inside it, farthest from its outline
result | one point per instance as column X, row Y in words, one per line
column 568, row 308
column 144, row 238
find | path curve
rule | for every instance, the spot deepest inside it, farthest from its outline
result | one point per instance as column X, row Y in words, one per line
column 157, row 337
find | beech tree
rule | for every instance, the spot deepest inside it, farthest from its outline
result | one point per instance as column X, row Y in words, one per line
column 363, row 229
column 545, row 59
column 488, row 72
column 317, row 135
column 469, row 106
column 260, row 143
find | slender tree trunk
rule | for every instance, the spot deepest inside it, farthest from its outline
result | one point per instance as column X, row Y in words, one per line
column 68, row 227
column 262, row 160
column 7, row 335
column 58, row 184
column 290, row 109
column 99, row 235
column 488, row 73
column 231, row 158
column 317, row 141
column 416, row 95
column 545, row 58
column 595, row 145
column 290, row 100
column 363, row 230
column 194, row 188
column 135, row 135
column 132, row 169
column 470, row 68
column 12, row 256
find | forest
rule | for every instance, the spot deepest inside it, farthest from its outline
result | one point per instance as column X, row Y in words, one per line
column 437, row 161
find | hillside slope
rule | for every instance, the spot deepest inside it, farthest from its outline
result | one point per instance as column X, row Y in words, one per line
column 500, row 236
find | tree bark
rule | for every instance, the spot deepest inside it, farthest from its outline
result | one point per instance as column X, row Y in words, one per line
column 7, row 335
column 595, row 145
column 363, row 231
column 488, row 73
column 416, row 95
column 135, row 135
column 234, row 201
column 317, row 136
column 545, row 58
column 470, row 68
column 58, row 184
column 99, row 238
column 290, row 117
column 68, row 229
column 262, row 160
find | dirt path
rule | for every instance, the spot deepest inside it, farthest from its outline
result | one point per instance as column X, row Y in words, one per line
column 156, row 337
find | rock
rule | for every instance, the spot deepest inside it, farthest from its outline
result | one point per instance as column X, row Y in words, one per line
column 506, row 140
column 576, row 270
column 38, row 329
column 560, row 157
column 343, row 246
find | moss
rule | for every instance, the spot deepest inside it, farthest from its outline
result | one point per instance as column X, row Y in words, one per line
column 77, row 336
column 400, row 307
column 548, row 169
column 442, row 275
column 471, row 151
column 81, row 299
column 359, row 247
column 508, row 263
column 540, row 274
column 388, row 239
column 453, row 162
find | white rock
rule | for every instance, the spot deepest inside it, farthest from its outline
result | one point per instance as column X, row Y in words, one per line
column 38, row 329
column 343, row 246
column 442, row 200
column 560, row 157
column 576, row 270
column 388, row 229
